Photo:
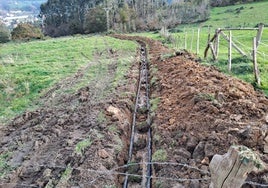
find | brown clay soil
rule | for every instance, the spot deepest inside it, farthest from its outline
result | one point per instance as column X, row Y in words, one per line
column 201, row 112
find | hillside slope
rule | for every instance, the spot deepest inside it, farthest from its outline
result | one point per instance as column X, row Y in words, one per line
column 78, row 141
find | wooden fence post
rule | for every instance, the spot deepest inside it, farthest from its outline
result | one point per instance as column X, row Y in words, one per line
column 230, row 52
column 185, row 40
column 209, row 45
column 259, row 34
column 179, row 42
column 217, row 43
column 192, row 40
column 255, row 64
column 231, row 169
column 198, row 40
column 212, row 50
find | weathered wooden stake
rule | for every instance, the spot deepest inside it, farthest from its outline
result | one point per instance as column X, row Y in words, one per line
column 212, row 50
column 197, row 42
column 259, row 34
column 208, row 44
column 217, row 42
column 255, row 64
column 185, row 40
column 192, row 40
column 231, row 169
column 230, row 52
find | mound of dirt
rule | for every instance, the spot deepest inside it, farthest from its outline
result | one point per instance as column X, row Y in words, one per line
column 203, row 112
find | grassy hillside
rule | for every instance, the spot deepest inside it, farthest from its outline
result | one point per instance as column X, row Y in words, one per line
column 246, row 15
column 238, row 16
column 28, row 70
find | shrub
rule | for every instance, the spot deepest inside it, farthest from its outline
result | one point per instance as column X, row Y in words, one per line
column 26, row 31
column 4, row 33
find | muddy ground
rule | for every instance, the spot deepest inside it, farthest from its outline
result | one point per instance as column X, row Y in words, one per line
column 201, row 112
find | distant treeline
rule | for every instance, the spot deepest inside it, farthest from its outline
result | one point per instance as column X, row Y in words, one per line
column 64, row 17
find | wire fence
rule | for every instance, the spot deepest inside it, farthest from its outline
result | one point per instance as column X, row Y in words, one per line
column 195, row 41
column 115, row 171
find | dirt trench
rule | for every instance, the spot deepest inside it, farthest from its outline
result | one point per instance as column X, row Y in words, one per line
column 200, row 112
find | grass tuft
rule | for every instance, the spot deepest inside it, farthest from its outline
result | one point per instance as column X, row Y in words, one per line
column 82, row 145
column 159, row 155
column 5, row 168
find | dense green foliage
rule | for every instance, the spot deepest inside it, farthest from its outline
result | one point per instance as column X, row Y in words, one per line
column 28, row 70
column 95, row 21
column 61, row 16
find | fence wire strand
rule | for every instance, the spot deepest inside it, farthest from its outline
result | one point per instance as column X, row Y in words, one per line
column 256, row 184
column 18, row 184
column 263, row 44
column 115, row 172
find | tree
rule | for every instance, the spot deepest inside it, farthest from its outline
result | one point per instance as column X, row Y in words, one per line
column 63, row 17
column 95, row 21
column 4, row 33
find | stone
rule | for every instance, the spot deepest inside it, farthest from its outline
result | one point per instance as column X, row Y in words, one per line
column 236, row 117
column 205, row 161
column 47, row 172
column 191, row 143
column 103, row 154
column 220, row 97
column 184, row 153
column 172, row 121
column 209, row 152
column 204, row 170
column 180, row 159
column 245, row 133
column 199, row 151
column 114, row 111
column 265, row 149
column 194, row 184
column 266, row 139
column 266, row 118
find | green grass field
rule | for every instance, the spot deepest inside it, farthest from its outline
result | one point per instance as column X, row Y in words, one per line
column 28, row 70
column 243, row 15
column 238, row 16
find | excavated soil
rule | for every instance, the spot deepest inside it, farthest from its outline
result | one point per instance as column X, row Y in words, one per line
column 201, row 112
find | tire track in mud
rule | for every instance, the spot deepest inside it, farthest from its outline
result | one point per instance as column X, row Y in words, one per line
column 41, row 145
